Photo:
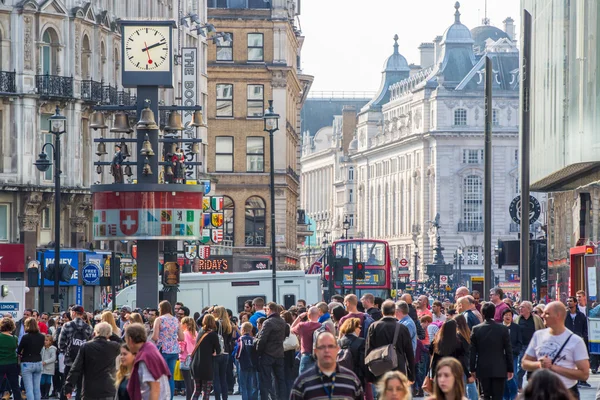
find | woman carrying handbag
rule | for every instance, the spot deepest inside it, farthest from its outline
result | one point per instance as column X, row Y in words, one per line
column 202, row 358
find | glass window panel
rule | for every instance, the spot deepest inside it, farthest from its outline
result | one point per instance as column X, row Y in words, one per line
column 224, row 54
column 225, row 92
column 255, row 39
column 255, row 54
column 255, row 145
column 224, row 163
column 224, row 108
column 224, row 144
column 255, row 92
column 255, row 163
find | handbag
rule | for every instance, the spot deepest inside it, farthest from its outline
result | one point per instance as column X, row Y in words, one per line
column 428, row 382
column 185, row 365
column 383, row 358
column 290, row 342
column 221, row 340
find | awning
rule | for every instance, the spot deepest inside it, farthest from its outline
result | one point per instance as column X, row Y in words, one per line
column 569, row 178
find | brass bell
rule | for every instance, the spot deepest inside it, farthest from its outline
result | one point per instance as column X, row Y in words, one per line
column 99, row 169
column 147, row 169
column 147, row 147
column 121, row 123
column 125, row 149
column 98, row 121
column 127, row 170
column 197, row 119
column 175, row 123
column 169, row 168
column 101, row 150
column 196, row 148
column 147, row 120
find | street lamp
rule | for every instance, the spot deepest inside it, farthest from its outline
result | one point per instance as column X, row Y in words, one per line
column 271, row 121
column 57, row 127
column 416, row 262
column 459, row 255
column 346, row 225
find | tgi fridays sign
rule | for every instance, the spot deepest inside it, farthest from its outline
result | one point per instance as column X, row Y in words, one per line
column 189, row 70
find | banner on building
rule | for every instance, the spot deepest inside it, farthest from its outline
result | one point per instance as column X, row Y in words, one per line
column 189, row 82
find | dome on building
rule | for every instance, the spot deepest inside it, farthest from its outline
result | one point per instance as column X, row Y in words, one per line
column 395, row 62
column 482, row 33
column 457, row 32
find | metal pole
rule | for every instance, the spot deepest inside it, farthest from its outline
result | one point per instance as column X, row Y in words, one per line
column 355, row 270
column 415, row 267
column 459, row 270
column 113, row 280
column 42, row 305
column 56, row 303
column 525, row 126
column 487, row 182
column 273, row 248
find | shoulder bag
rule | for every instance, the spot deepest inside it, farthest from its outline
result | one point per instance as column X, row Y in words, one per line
column 428, row 382
column 384, row 358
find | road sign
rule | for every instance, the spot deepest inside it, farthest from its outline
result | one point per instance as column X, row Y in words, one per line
column 326, row 272
column 404, row 262
column 443, row 279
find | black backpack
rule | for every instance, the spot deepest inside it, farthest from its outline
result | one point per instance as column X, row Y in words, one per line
column 345, row 356
column 78, row 338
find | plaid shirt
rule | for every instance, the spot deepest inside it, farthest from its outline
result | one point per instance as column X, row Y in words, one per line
column 66, row 333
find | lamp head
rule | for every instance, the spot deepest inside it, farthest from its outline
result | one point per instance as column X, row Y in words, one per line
column 58, row 122
column 42, row 163
column 271, row 119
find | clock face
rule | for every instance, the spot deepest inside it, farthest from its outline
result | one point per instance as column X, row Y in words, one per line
column 147, row 48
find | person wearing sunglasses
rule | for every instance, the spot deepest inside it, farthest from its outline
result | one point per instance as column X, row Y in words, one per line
column 529, row 322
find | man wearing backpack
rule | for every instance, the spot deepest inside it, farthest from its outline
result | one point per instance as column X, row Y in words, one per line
column 351, row 304
column 305, row 326
column 72, row 336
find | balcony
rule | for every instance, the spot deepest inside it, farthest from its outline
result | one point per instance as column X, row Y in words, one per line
column 125, row 98
column 7, row 82
column 91, row 91
column 109, row 95
column 54, row 87
column 293, row 173
column 470, row 226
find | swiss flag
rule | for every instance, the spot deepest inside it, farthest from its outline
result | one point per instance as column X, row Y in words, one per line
column 128, row 222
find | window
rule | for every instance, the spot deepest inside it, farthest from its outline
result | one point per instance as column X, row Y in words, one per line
column 4, row 222
column 351, row 219
column 495, row 120
column 471, row 156
column 517, row 187
column 350, row 196
column 256, row 101
column 255, row 47
column 224, row 100
column 516, row 160
column 460, row 117
column 46, row 218
column 224, row 154
column 472, row 255
column 228, row 219
column 255, row 154
column 225, row 48
column 255, row 221
column 473, row 202
column 351, row 174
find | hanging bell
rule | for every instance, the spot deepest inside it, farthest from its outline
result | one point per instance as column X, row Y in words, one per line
column 175, row 123
column 101, row 150
column 147, row 120
column 147, row 169
column 127, row 170
column 98, row 121
column 121, row 123
column 99, row 169
column 197, row 119
column 125, row 149
column 147, row 147
column 196, row 148
column 169, row 168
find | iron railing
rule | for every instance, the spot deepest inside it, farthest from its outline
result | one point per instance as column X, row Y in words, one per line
column 124, row 97
column 293, row 173
column 8, row 82
column 91, row 91
column 53, row 86
column 109, row 94
column 470, row 227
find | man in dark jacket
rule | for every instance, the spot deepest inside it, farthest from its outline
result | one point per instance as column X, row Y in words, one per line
column 576, row 322
column 96, row 363
column 491, row 354
column 368, row 302
column 381, row 333
column 269, row 346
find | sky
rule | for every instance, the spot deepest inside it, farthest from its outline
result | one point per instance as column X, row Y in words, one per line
column 347, row 41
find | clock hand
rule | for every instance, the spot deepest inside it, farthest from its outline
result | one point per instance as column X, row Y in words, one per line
column 148, row 52
column 153, row 46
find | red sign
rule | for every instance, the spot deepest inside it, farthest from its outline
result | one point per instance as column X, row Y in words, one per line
column 12, row 257
column 404, row 262
column 326, row 272
column 129, row 221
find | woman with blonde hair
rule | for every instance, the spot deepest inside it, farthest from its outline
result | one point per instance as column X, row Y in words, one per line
column 109, row 318
column 220, row 361
column 167, row 335
column 393, row 385
column 126, row 359
column 185, row 355
column 136, row 318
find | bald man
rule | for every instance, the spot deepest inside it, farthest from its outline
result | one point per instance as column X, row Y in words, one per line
column 305, row 326
column 556, row 348
column 412, row 312
column 467, row 308
column 461, row 292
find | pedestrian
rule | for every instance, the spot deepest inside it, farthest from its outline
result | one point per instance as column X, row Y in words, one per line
column 109, row 318
column 368, row 302
column 516, row 341
column 463, row 330
column 448, row 383
column 449, row 343
column 305, row 326
column 436, row 312
column 126, row 359
column 466, row 306
column 246, row 356
column 269, row 346
column 337, row 313
column 186, row 347
column 422, row 305
column 225, row 331
column 529, row 323
column 556, row 348
column 546, row 385
column 19, row 331
column 49, row 361
column 404, row 319
column 327, row 379
column 496, row 296
column 96, row 364
column 258, row 304
column 72, row 336
column 9, row 365
column 350, row 341
column 167, row 334
column 412, row 311
column 491, row 354
column 351, row 304
column 202, row 358
column 461, row 292
column 123, row 316
column 325, row 316
column 30, row 353
column 150, row 374
column 576, row 322
column 393, row 386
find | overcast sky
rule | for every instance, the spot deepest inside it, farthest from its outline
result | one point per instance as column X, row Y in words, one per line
column 347, row 41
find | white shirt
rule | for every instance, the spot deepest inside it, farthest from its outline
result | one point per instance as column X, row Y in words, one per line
column 544, row 344
column 582, row 309
column 441, row 318
column 146, row 376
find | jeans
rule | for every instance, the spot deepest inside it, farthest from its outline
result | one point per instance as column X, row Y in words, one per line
column 229, row 374
column 31, row 372
column 78, row 385
column 171, row 360
column 306, row 362
column 520, row 372
column 46, row 379
column 421, row 370
column 472, row 393
column 247, row 382
column 220, row 376
column 12, row 374
column 271, row 376
column 511, row 390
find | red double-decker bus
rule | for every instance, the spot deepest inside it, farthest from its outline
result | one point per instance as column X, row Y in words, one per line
column 375, row 255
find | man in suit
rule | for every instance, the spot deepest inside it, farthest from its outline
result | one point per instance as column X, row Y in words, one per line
column 491, row 354
column 381, row 333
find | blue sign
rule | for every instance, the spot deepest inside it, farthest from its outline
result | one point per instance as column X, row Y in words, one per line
column 66, row 257
column 9, row 306
column 79, row 295
column 90, row 274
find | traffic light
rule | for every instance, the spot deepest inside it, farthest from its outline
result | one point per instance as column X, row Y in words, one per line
column 66, row 271
column 115, row 271
column 49, row 272
column 501, row 256
column 360, row 270
column 338, row 268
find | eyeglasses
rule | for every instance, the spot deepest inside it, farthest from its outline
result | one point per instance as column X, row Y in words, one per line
column 327, row 347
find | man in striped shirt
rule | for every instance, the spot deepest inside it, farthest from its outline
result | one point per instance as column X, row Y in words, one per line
column 327, row 380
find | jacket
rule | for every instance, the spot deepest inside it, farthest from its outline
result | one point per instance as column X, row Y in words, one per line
column 461, row 353
column 537, row 321
column 49, row 359
column 270, row 338
column 516, row 338
column 381, row 333
column 66, row 333
column 375, row 313
column 472, row 319
column 579, row 326
column 202, row 360
column 491, row 351
column 412, row 311
column 96, row 363
column 358, row 356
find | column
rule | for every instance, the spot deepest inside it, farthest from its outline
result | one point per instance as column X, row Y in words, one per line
column 29, row 221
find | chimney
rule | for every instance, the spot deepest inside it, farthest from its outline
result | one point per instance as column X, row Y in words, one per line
column 509, row 27
column 437, row 48
column 427, row 51
column 348, row 126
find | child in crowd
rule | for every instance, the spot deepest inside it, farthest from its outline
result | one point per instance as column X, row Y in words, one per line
column 246, row 355
column 48, row 366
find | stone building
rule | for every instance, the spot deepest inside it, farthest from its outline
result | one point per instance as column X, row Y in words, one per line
column 65, row 53
column 418, row 151
column 261, row 62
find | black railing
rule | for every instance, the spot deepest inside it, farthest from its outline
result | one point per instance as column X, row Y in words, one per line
column 124, row 97
column 109, row 94
column 91, row 91
column 470, row 226
column 293, row 173
column 53, row 86
column 8, row 82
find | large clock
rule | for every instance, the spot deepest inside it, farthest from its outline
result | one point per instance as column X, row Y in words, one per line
column 147, row 53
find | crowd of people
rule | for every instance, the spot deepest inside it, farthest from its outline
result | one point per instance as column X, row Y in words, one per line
column 349, row 348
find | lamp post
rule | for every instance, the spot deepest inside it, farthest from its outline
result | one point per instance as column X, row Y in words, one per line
column 459, row 256
column 326, row 261
column 271, row 121
column 346, row 225
column 416, row 262
column 57, row 127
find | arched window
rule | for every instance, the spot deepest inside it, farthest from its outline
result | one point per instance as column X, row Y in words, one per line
column 49, row 51
column 255, row 221
column 229, row 219
column 351, row 174
column 102, row 61
column 473, row 204
column 86, row 57
column 460, row 117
